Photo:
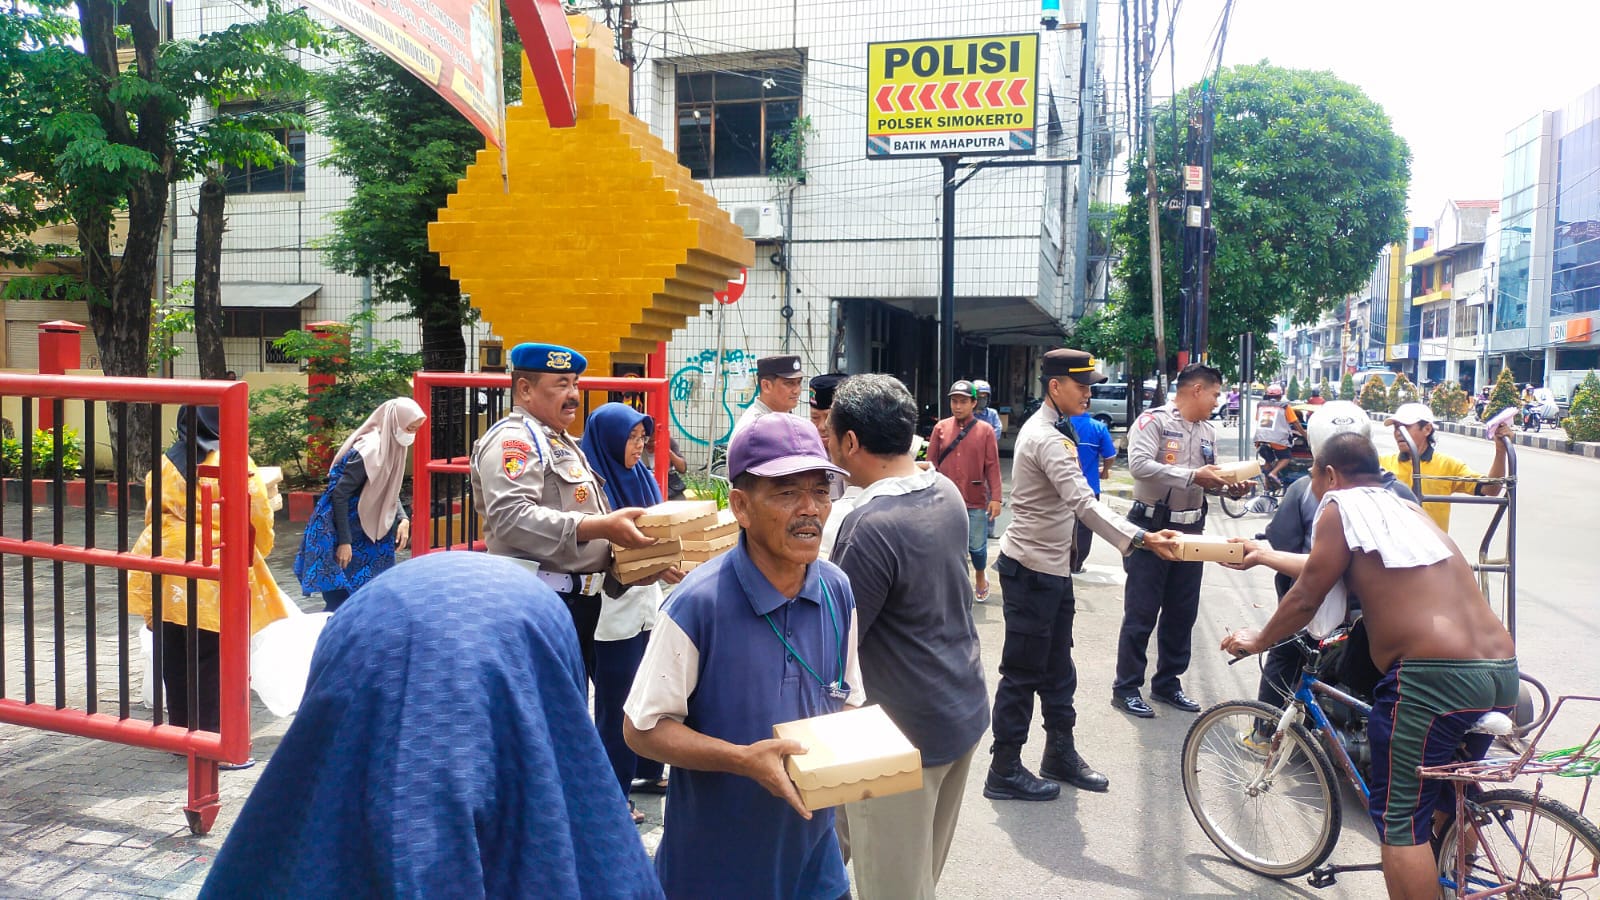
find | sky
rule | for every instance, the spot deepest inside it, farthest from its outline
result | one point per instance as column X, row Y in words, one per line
column 1453, row 75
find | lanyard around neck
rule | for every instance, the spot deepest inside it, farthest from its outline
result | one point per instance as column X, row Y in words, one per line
column 836, row 687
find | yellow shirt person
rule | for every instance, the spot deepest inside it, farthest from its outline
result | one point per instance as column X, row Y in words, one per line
column 1437, row 468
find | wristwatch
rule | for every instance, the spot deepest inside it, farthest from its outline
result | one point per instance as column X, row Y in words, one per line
column 1138, row 540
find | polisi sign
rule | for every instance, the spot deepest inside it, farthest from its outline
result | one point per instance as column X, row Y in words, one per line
column 969, row 96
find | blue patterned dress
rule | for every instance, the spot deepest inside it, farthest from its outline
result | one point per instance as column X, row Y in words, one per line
column 315, row 565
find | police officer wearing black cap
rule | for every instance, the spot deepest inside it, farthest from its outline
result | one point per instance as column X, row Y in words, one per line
column 1172, row 455
column 536, row 495
column 1048, row 497
column 779, row 379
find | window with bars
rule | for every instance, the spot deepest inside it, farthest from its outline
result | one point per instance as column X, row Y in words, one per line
column 283, row 178
column 728, row 120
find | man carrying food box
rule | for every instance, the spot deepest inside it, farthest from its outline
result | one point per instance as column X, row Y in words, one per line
column 902, row 548
column 537, row 495
column 759, row 636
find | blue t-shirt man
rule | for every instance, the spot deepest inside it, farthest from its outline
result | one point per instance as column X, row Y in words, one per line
column 716, row 663
column 1094, row 444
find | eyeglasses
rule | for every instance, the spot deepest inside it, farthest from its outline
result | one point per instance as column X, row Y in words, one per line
column 641, row 440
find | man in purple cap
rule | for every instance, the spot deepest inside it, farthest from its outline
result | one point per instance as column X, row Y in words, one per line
column 765, row 633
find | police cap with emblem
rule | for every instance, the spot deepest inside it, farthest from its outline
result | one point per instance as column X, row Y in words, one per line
column 552, row 358
column 822, row 388
column 1075, row 364
column 779, row 367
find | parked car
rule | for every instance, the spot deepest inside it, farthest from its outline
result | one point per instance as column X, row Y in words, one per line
column 1108, row 404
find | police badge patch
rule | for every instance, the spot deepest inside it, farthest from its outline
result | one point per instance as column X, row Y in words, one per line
column 514, row 460
column 581, row 494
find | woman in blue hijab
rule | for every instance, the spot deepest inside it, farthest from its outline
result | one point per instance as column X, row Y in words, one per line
column 613, row 442
column 443, row 749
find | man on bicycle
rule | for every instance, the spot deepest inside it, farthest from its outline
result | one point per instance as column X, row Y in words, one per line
column 1276, row 425
column 1446, row 657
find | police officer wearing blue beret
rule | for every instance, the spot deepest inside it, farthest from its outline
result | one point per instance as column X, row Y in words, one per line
column 536, row 494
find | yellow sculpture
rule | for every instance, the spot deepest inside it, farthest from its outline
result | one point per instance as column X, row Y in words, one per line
column 604, row 242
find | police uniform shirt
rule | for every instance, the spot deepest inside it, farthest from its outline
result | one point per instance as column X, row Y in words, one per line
column 1049, row 496
column 531, row 495
column 1164, row 449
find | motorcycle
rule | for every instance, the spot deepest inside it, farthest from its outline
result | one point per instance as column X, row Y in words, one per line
column 1536, row 415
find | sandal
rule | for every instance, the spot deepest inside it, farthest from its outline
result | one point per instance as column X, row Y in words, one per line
column 981, row 596
column 638, row 817
column 647, row 786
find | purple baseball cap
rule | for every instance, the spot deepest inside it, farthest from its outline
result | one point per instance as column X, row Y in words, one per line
column 779, row 444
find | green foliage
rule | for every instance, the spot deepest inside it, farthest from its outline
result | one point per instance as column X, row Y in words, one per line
column 1449, row 402
column 700, row 486
column 1347, row 386
column 1325, row 388
column 1309, row 183
column 1294, row 387
column 284, row 419
column 1584, row 422
column 1373, row 396
column 1402, row 391
column 1503, row 394
column 44, row 454
column 788, row 158
column 404, row 149
column 168, row 319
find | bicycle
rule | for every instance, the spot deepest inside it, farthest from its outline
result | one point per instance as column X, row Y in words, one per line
column 1278, row 811
column 1264, row 497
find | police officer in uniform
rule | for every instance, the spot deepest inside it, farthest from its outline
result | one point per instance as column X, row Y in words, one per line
column 536, row 495
column 1172, row 455
column 1048, row 497
column 778, row 379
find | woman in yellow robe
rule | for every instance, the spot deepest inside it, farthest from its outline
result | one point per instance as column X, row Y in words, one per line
column 267, row 601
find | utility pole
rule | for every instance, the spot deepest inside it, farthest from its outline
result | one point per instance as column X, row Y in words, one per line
column 1199, row 242
column 1157, row 314
column 1089, row 112
column 947, row 277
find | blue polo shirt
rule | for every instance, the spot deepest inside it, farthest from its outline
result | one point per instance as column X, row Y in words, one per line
column 715, row 663
column 1094, row 444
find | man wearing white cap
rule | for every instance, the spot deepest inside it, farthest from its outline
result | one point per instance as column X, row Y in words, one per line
column 1416, row 419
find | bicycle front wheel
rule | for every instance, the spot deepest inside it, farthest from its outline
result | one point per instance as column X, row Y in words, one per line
column 1276, row 814
column 1237, row 506
column 1517, row 847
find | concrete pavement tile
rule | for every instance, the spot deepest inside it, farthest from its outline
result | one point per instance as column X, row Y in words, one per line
column 99, row 838
column 9, row 828
column 45, row 871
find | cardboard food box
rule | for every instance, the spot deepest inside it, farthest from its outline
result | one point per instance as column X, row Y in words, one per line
column 1243, row 470
column 669, row 549
column 641, row 570
column 725, row 525
column 1209, row 548
column 852, row 755
column 704, row 551
column 676, row 518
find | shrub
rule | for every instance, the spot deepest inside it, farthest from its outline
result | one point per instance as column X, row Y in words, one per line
column 1584, row 422
column 1294, row 388
column 1503, row 394
column 44, row 454
column 1449, row 402
column 1373, row 396
column 1402, row 391
column 1347, row 387
column 1326, row 389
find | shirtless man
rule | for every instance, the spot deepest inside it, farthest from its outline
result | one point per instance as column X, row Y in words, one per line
column 1446, row 657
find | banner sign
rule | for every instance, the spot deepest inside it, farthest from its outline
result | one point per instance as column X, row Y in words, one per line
column 452, row 45
column 969, row 96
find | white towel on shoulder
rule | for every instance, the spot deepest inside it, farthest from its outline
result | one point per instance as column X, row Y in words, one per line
column 1377, row 521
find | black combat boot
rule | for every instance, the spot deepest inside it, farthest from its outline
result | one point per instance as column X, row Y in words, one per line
column 1062, row 763
column 1009, row 779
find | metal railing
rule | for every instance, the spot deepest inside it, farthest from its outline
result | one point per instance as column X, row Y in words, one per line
column 216, row 498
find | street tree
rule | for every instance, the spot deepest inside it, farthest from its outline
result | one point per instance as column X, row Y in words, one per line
column 1309, row 183
column 96, row 122
column 404, row 149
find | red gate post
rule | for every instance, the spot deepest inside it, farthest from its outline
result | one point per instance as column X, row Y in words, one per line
column 60, row 349
column 319, row 375
column 656, row 404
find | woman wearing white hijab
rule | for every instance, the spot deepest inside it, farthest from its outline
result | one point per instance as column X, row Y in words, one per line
column 359, row 522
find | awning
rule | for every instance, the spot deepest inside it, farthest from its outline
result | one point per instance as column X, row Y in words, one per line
column 265, row 295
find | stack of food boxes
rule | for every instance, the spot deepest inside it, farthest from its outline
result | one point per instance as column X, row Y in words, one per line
column 687, row 533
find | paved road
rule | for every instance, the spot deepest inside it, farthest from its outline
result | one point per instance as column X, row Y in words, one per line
column 84, row 819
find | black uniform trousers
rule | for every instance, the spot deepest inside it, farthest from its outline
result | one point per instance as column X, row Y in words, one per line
column 1163, row 597
column 1037, row 654
column 585, row 612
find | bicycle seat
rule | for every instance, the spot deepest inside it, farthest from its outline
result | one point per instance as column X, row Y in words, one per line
column 1496, row 723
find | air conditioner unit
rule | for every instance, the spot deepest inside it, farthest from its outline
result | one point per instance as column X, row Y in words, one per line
column 759, row 221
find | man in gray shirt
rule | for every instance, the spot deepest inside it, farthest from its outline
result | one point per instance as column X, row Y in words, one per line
column 902, row 548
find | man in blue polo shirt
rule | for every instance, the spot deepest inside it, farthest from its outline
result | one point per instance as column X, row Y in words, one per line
column 763, row 634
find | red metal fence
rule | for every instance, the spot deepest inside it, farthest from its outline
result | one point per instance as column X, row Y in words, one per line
column 108, row 401
column 459, row 408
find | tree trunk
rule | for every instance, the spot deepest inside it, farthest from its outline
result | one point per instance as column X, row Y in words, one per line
column 444, row 349
column 208, row 277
